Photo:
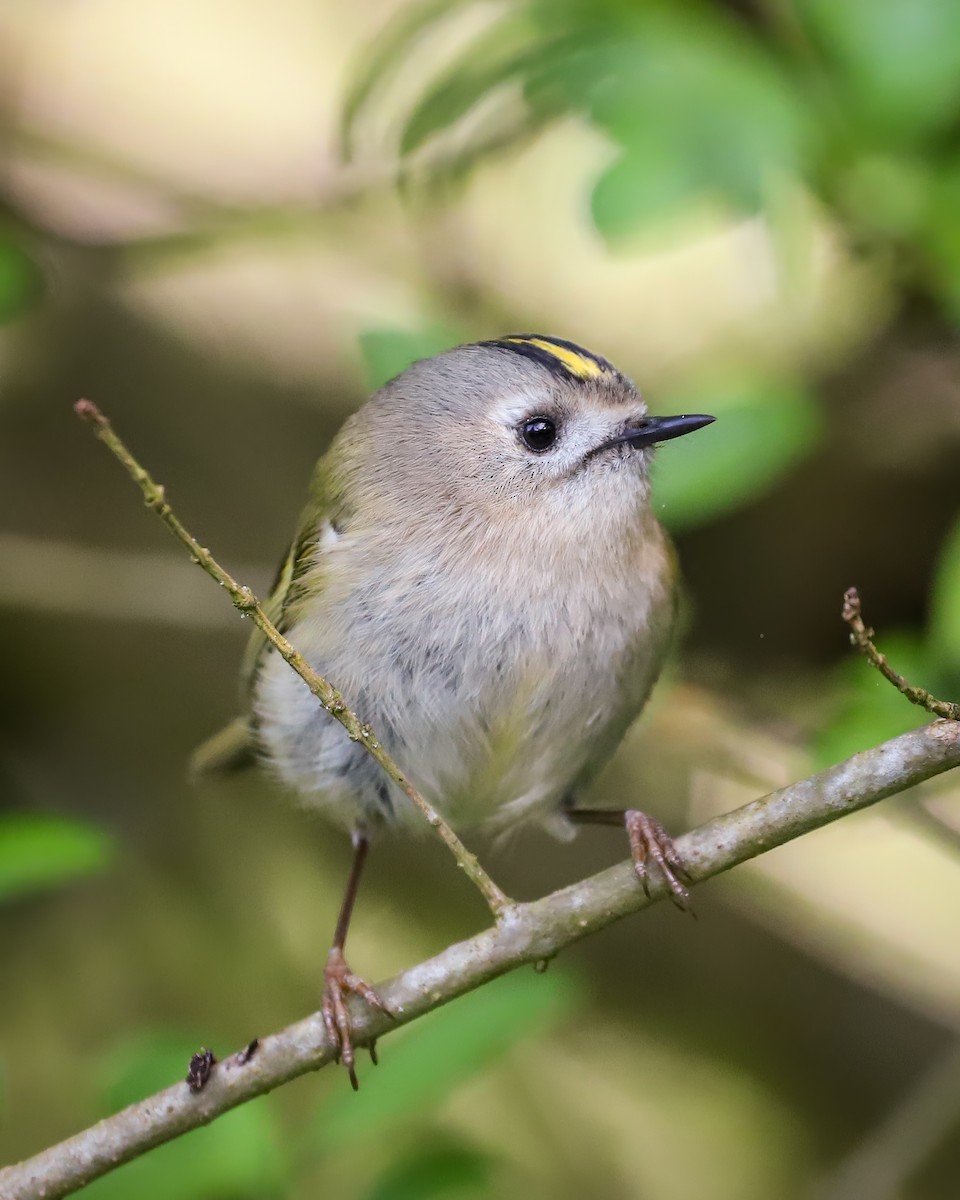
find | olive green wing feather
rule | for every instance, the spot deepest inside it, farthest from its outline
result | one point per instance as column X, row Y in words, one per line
column 280, row 606
column 234, row 747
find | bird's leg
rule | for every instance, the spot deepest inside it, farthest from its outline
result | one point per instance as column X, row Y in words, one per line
column 339, row 980
column 648, row 840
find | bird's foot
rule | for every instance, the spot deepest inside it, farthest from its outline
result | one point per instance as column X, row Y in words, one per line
column 649, row 840
column 338, row 982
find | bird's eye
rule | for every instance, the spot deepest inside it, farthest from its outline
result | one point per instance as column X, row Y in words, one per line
column 538, row 433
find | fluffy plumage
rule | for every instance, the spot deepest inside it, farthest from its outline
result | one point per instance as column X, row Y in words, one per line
column 497, row 615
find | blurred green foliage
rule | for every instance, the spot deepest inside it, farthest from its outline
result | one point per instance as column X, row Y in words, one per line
column 441, row 1171
column 387, row 352
column 732, row 110
column 247, row 1153
column 894, row 64
column 39, row 852
column 19, row 278
column 239, row 1155
column 764, row 426
column 944, row 630
column 855, row 101
column 863, row 709
column 445, row 1049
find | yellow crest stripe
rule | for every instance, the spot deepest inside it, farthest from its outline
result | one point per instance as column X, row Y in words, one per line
column 577, row 364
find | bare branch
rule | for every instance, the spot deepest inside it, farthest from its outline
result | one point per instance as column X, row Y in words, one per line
column 529, row 933
column 248, row 605
column 862, row 637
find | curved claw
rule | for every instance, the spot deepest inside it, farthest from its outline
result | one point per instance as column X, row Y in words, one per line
column 649, row 840
column 338, row 982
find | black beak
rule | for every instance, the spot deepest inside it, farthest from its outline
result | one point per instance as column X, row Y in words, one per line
column 649, row 431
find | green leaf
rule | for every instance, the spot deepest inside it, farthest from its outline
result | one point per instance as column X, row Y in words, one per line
column 40, row 852
column 19, row 280
column 646, row 184
column 869, row 710
column 888, row 195
column 729, row 116
column 699, row 109
column 901, row 58
column 237, row 1156
column 944, row 627
column 387, row 352
column 763, row 429
column 445, row 1049
column 438, row 1171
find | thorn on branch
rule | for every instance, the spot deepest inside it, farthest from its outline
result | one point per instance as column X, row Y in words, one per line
column 862, row 636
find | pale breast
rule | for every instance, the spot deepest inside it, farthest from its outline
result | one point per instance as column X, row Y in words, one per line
column 496, row 690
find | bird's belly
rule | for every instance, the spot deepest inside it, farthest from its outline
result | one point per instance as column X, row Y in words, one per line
column 484, row 743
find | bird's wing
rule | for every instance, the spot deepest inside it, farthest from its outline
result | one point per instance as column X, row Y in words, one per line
column 235, row 746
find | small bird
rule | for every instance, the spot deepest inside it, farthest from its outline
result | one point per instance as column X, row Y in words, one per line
column 480, row 573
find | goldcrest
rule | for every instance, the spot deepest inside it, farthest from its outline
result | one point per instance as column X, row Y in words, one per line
column 479, row 571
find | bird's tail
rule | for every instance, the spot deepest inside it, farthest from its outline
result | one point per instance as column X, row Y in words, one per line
column 233, row 748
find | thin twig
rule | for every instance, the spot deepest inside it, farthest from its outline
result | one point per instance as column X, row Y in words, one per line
column 248, row 605
column 862, row 637
column 533, row 933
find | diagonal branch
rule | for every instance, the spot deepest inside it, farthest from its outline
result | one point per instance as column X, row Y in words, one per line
column 527, row 934
column 247, row 603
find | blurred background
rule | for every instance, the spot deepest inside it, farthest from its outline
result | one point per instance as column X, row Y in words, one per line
column 225, row 223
